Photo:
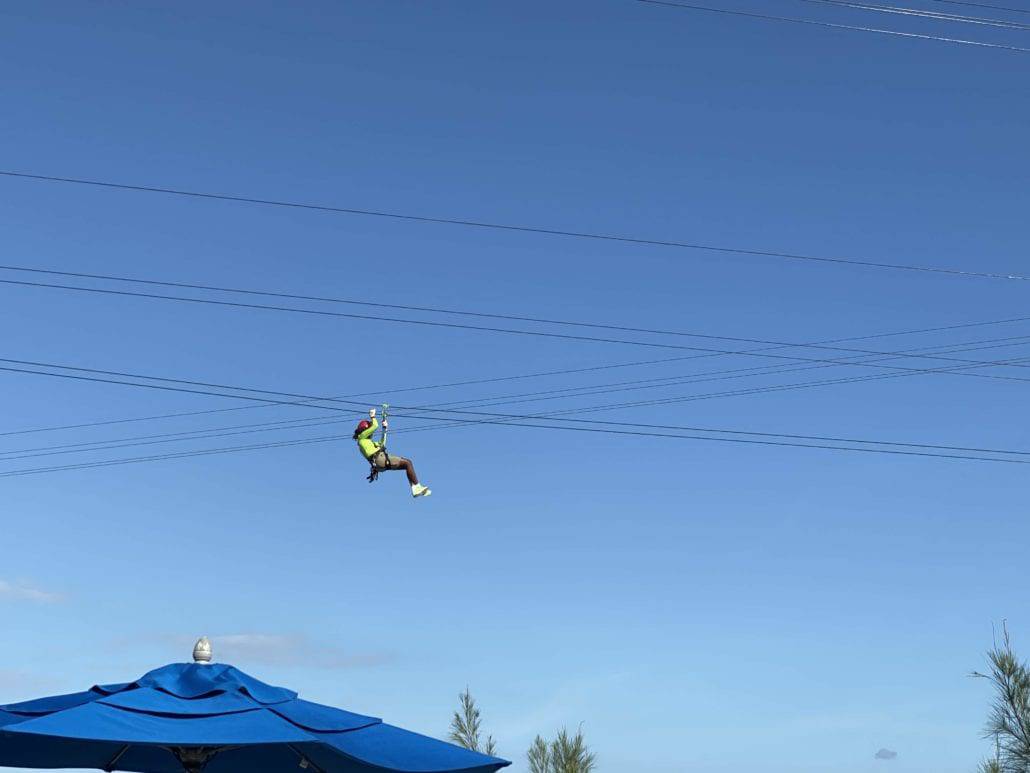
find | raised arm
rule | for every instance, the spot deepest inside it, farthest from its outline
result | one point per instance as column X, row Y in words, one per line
column 371, row 428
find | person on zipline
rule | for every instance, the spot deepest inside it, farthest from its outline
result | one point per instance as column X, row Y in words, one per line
column 376, row 454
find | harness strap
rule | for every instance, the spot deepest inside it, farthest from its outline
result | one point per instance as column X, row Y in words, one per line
column 373, row 474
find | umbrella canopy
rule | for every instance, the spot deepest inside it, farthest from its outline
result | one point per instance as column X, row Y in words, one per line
column 214, row 718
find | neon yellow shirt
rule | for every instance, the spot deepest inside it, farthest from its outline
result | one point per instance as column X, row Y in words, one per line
column 366, row 444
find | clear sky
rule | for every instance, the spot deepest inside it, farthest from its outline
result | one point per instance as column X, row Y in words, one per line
column 698, row 606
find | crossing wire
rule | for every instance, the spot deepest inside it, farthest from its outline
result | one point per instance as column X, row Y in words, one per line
column 404, row 307
column 922, row 13
column 481, row 418
column 833, row 25
column 540, row 374
column 699, row 378
column 482, row 224
column 100, row 445
column 763, row 353
column 234, row 430
column 624, row 432
column 306, row 399
column 969, row 4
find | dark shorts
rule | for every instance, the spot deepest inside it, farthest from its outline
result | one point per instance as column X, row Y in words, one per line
column 379, row 461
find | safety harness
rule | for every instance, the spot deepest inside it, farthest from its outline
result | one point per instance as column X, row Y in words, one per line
column 373, row 474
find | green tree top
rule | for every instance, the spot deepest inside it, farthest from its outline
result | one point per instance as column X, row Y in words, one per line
column 1009, row 721
column 465, row 726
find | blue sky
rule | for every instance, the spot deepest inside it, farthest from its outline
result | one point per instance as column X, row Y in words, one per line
column 697, row 606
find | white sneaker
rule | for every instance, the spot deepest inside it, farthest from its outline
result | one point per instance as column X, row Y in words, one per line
column 418, row 490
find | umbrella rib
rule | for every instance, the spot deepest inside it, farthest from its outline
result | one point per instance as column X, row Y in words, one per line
column 114, row 760
column 304, row 761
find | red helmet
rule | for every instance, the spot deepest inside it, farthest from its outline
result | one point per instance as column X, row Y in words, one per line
column 363, row 425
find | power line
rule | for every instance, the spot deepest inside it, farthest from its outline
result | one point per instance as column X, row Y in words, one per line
column 405, row 307
column 482, row 418
column 689, row 398
column 345, row 315
column 782, row 435
column 969, row 4
column 634, row 433
column 201, row 434
column 626, row 239
column 465, row 403
column 168, row 437
column 698, row 378
column 220, row 432
column 763, row 353
column 541, row 374
column 921, row 13
column 304, row 399
column 309, row 403
column 307, row 399
column 832, row 25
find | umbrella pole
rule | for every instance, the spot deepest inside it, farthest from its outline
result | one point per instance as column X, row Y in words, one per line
column 195, row 758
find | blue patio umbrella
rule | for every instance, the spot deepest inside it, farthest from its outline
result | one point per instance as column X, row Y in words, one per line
column 214, row 718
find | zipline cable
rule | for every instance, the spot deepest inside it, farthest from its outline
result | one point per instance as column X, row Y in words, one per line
column 922, row 13
column 725, row 375
column 969, row 4
column 430, row 309
column 685, row 398
column 635, row 433
column 541, row 374
column 625, row 239
column 763, row 353
column 833, row 25
column 493, row 418
column 308, row 399
column 102, row 445
column 482, row 418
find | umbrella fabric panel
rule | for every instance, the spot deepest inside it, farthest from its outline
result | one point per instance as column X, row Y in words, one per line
column 156, row 702
column 106, row 723
column 7, row 718
column 392, row 748
column 18, row 750
column 193, row 680
column 40, row 706
column 323, row 719
column 111, row 689
column 243, row 723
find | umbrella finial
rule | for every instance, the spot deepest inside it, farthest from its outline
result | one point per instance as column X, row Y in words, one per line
column 202, row 651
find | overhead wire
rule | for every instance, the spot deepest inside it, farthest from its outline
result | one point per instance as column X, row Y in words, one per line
column 538, row 374
column 101, row 445
column 307, row 399
column 625, row 432
column 204, row 433
column 834, row 25
column 407, row 307
column 481, row 418
column 482, row 224
column 705, row 396
column 970, row 4
column 922, row 13
column 762, row 353
column 723, row 375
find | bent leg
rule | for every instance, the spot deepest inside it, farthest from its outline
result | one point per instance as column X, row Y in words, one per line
column 400, row 463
